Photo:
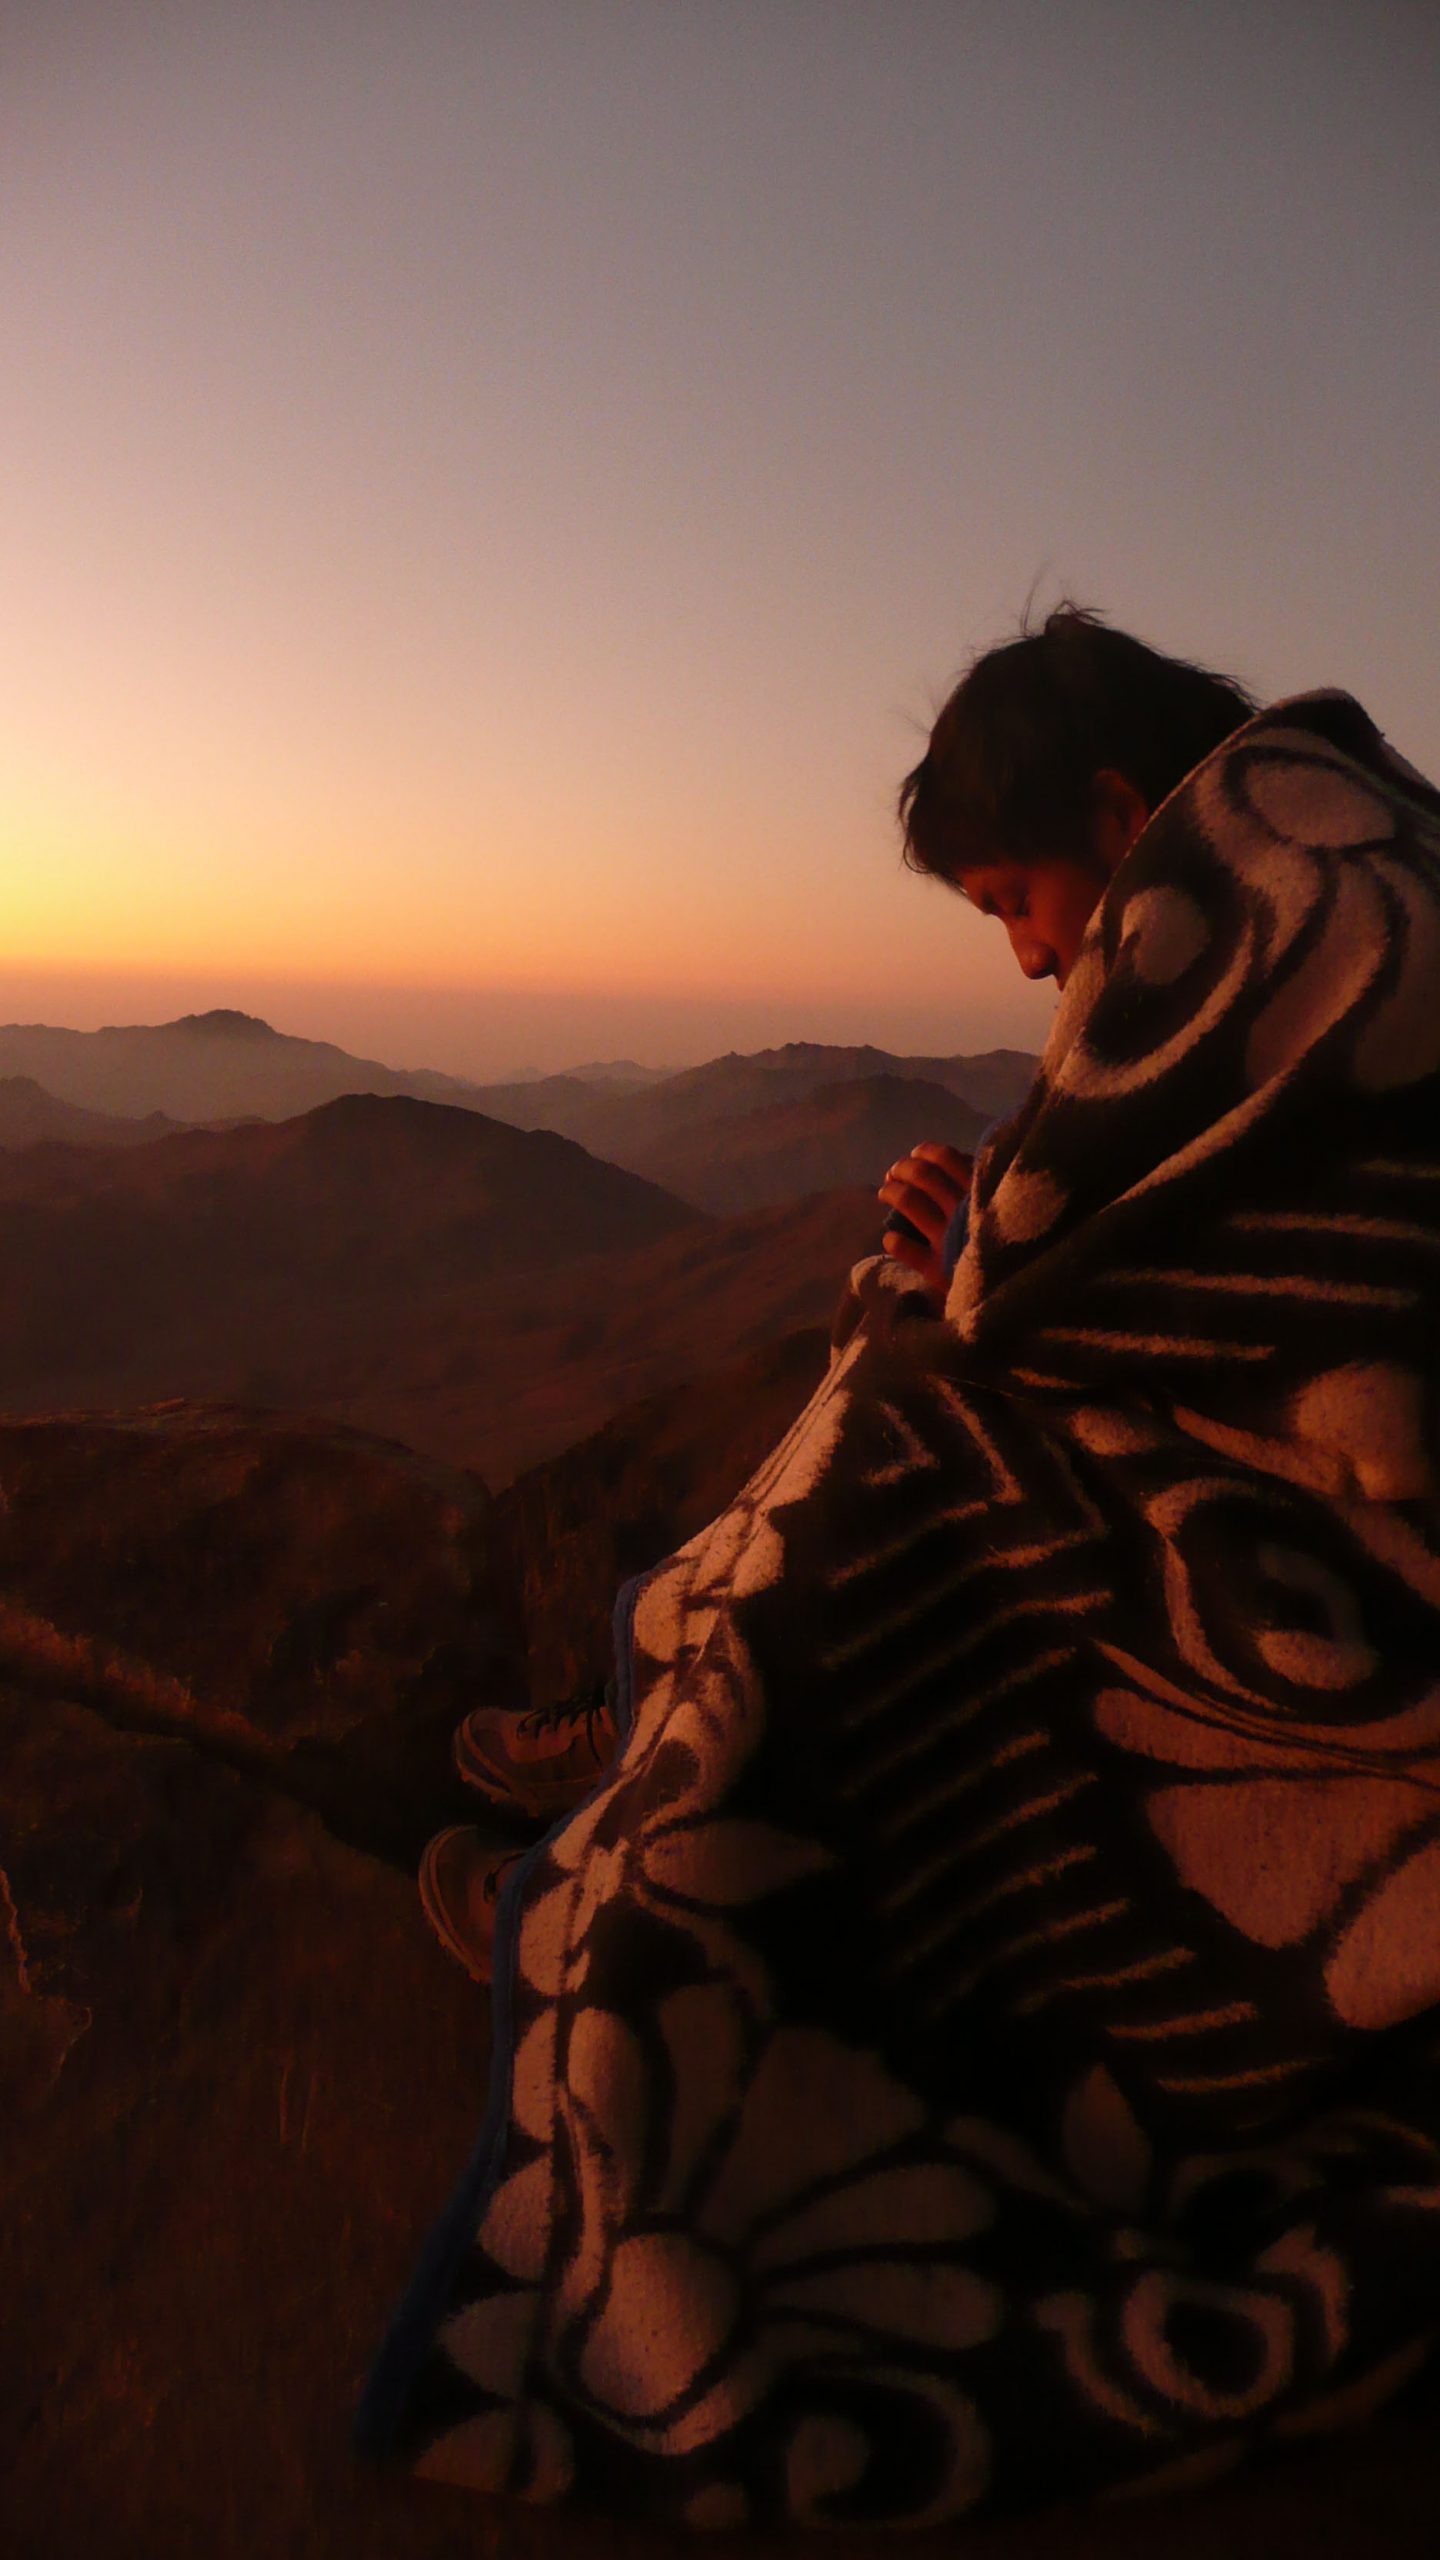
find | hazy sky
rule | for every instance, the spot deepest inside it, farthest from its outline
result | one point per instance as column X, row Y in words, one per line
column 492, row 491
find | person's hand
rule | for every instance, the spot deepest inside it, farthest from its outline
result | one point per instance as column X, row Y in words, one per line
column 926, row 1187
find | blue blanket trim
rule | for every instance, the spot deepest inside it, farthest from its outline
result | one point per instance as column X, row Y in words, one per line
column 957, row 1234
column 408, row 2339
column 622, row 1626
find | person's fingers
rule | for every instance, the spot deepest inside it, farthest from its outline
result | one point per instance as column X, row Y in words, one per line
column 932, row 1170
column 948, row 1160
column 926, row 1187
column 916, row 1257
column 933, row 1180
column 921, row 1207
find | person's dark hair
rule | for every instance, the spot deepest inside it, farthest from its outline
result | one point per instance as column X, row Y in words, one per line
column 1012, row 756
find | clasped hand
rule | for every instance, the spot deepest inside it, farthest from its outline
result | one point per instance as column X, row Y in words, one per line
column 926, row 1187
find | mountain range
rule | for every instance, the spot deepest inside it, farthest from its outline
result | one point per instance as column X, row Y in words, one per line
column 31, row 1117
column 846, row 1132
column 231, row 1066
column 486, row 1293
column 482, row 1284
column 206, row 1066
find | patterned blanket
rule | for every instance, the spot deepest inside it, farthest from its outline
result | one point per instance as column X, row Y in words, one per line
column 982, row 2042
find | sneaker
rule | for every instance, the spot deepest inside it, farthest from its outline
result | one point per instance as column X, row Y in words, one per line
column 461, row 1872
column 544, row 1761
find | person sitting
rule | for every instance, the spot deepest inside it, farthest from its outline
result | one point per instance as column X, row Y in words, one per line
column 977, row 2038
column 1041, row 773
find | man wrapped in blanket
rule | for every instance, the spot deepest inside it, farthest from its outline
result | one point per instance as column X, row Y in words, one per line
column 972, row 2033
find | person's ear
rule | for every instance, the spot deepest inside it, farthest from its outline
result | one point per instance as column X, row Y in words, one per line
column 1117, row 813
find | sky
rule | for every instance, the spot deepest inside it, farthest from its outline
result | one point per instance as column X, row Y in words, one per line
column 493, row 492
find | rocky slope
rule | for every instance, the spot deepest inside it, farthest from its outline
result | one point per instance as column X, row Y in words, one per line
column 832, row 1134
column 306, row 1604
column 481, row 1292
column 185, row 1266
column 504, row 1386
column 372, row 1187
column 31, row 1117
column 239, row 2079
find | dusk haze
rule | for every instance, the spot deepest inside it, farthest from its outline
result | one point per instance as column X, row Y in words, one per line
column 493, row 496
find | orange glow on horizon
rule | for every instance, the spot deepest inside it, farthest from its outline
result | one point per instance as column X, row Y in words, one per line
column 498, row 507
column 120, row 879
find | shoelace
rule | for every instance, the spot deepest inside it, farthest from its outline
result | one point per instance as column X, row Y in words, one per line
column 593, row 1709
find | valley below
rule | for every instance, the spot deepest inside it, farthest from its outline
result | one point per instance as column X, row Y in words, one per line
column 397, row 1257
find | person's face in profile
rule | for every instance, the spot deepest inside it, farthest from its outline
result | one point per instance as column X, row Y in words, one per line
column 1044, row 907
column 1045, row 903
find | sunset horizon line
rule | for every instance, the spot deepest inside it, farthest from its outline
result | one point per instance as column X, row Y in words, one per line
column 522, row 1071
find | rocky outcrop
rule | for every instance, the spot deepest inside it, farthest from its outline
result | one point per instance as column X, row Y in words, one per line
column 308, row 1606
column 237, row 2079
column 482, row 1293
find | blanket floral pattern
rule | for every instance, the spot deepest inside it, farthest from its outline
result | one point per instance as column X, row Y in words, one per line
column 981, row 2043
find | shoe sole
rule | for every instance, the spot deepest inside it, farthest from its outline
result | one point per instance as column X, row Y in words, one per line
column 433, row 1906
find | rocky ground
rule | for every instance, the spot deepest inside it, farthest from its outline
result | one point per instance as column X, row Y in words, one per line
column 238, row 2077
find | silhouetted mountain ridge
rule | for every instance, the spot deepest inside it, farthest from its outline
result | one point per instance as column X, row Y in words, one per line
column 618, row 1071
column 222, row 1022
column 483, row 1292
column 30, row 1117
column 820, row 1138
column 397, row 1182
column 221, row 1065
column 632, row 1128
column 227, row 1065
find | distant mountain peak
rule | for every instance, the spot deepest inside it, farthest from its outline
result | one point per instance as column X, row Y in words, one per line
column 226, row 1024
column 617, row 1071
